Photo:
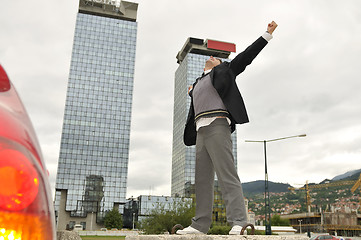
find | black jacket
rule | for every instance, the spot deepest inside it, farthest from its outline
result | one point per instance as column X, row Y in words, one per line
column 223, row 78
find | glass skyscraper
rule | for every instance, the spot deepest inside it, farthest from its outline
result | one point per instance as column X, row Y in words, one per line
column 191, row 59
column 93, row 161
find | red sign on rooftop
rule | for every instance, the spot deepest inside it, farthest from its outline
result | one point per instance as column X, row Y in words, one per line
column 223, row 46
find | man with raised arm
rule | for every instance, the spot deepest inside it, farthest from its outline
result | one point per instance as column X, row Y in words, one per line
column 216, row 107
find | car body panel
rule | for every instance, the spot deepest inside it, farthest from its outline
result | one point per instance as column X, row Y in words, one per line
column 26, row 207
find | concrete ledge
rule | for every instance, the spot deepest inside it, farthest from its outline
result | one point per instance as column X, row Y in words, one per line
column 216, row 237
column 108, row 233
column 67, row 235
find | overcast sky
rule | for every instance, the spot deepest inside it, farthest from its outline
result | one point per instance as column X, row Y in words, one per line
column 306, row 81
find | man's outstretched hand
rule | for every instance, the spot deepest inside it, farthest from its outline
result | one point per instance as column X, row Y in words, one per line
column 271, row 27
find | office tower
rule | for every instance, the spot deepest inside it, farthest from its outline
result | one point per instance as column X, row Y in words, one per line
column 191, row 60
column 94, row 151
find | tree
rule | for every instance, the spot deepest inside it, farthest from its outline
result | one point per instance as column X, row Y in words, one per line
column 276, row 220
column 163, row 219
column 113, row 219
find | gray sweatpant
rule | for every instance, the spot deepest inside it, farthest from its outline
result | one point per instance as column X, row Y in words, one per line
column 214, row 154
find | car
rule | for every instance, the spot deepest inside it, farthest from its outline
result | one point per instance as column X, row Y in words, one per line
column 78, row 227
column 26, row 208
column 319, row 237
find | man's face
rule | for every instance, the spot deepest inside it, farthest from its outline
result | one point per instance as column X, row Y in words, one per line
column 212, row 62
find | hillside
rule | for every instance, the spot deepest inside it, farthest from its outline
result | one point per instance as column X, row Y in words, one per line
column 257, row 187
column 350, row 175
column 322, row 196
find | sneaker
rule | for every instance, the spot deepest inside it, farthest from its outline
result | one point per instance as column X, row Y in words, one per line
column 188, row 230
column 236, row 230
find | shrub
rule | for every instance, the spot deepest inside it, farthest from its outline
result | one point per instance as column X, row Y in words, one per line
column 113, row 219
column 219, row 230
column 276, row 220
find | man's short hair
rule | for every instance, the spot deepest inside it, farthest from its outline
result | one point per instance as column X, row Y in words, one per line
column 220, row 60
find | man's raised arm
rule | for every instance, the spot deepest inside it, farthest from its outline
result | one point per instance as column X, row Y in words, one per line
column 242, row 60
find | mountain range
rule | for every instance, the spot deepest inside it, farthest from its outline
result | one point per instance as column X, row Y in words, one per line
column 258, row 186
column 350, row 175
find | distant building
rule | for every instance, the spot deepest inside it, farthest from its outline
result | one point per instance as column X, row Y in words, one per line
column 335, row 223
column 93, row 161
column 251, row 216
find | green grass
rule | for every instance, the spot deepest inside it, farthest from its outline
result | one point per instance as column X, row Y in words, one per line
column 102, row 237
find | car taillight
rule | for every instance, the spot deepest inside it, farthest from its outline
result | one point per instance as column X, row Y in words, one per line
column 24, row 204
column 4, row 81
column 20, row 181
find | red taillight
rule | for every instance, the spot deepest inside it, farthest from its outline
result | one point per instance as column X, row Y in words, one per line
column 18, row 226
column 25, row 211
column 4, row 81
column 19, row 180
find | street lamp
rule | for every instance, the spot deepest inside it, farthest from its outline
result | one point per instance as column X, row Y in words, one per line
column 266, row 190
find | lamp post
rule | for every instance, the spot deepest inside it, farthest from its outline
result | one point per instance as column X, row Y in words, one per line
column 266, row 190
column 300, row 221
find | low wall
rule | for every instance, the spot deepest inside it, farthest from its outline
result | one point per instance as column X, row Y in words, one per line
column 108, row 233
column 215, row 237
column 67, row 235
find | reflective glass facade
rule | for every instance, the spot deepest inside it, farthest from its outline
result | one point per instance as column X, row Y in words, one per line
column 147, row 204
column 183, row 157
column 94, row 152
